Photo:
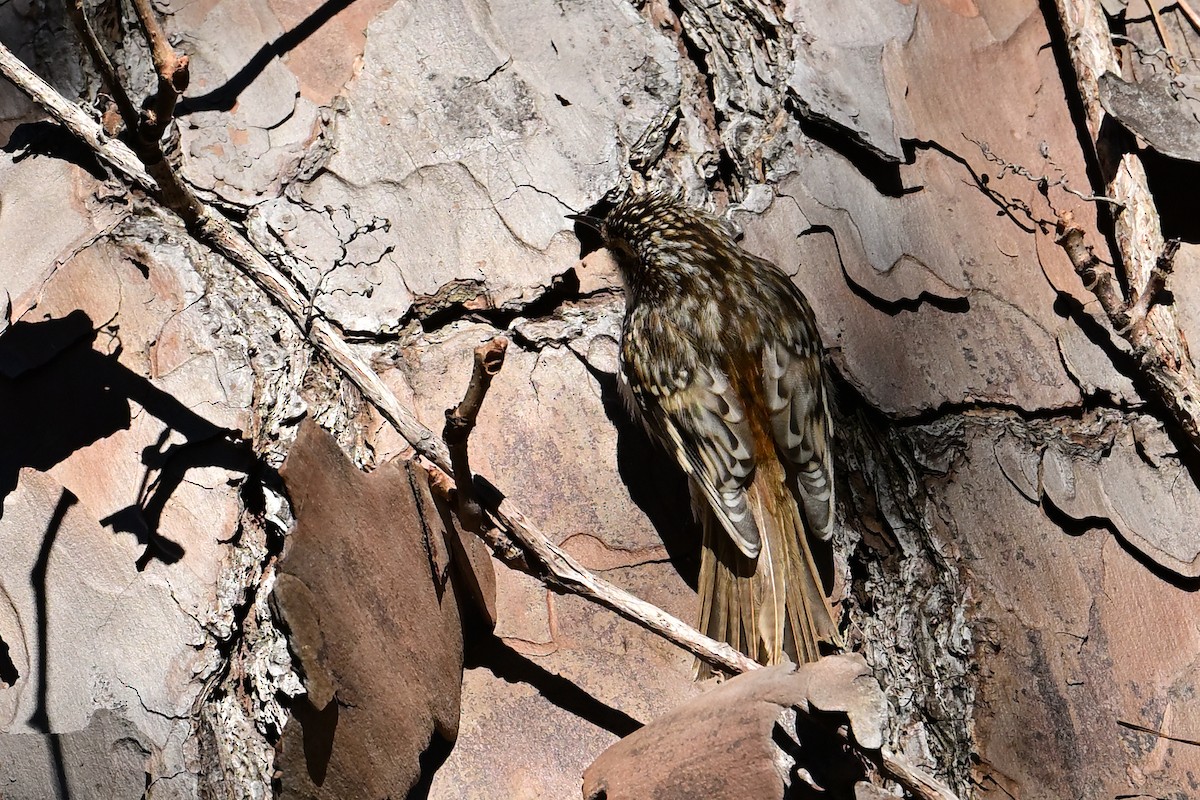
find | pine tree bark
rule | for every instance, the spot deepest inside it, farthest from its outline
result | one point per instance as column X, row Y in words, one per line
column 1018, row 500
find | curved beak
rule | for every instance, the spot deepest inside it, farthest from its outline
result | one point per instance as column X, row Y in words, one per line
column 595, row 223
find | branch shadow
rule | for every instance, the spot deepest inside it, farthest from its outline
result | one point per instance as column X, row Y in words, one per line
column 225, row 96
column 61, row 394
column 51, row 140
column 490, row 652
column 68, row 395
column 40, row 718
column 655, row 482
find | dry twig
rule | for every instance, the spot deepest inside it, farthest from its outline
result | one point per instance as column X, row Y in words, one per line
column 1043, row 182
column 1133, row 726
column 104, row 65
column 1189, row 12
column 146, row 128
column 1161, row 29
column 915, row 781
column 460, row 421
column 173, row 76
column 73, row 118
column 1098, row 278
column 1146, row 323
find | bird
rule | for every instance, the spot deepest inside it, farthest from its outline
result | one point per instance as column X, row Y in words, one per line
column 722, row 363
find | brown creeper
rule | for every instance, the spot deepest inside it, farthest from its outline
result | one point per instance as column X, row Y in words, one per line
column 721, row 360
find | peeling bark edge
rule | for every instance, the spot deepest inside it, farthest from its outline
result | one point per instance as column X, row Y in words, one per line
column 1149, row 326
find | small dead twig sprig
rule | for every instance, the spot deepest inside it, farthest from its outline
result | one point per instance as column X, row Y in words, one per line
column 147, row 127
column 1156, row 285
column 1127, row 318
column 460, row 422
column 1152, row 57
column 173, row 75
column 1043, row 182
column 343, row 259
column 1098, row 277
column 104, row 65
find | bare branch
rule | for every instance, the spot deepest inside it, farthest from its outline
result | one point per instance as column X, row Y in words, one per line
column 915, row 780
column 173, row 76
column 1189, row 12
column 460, row 421
column 1163, row 35
column 1147, row 323
column 104, row 65
column 74, row 119
column 1133, row 726
column 146, row 129
column 1156, row 285
column 1098, row 277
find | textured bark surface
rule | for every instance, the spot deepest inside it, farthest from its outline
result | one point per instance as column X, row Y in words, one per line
column 369, row 590
column 1017, row 545
column 727, row 742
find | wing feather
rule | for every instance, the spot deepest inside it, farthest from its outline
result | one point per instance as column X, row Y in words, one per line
column 794, row 388
column 691, row 407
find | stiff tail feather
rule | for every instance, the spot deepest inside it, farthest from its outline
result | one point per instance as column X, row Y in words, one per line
column 772, row 607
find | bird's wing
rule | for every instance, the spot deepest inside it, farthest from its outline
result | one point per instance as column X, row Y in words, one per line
column 794, row 391
column 690, row 406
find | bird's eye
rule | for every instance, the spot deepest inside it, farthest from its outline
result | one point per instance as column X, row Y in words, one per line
column 621, row 249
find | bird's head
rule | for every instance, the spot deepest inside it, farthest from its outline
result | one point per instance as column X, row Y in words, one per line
column 652, row 232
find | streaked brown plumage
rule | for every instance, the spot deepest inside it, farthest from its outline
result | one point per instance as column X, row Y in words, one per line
column 721, row 360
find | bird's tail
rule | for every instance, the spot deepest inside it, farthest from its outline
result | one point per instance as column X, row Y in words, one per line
column 773, row 606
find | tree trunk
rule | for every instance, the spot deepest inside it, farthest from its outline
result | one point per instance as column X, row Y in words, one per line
column 1017, row 548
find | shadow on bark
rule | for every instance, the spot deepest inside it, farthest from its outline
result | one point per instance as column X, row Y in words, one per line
column 431, row 760
column 828, row 762
column 225, row 96
column 1173, row 184
column 655, row 483
column 47, row 139
column 40, row 719
column 507, row 664
column 68, row 395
